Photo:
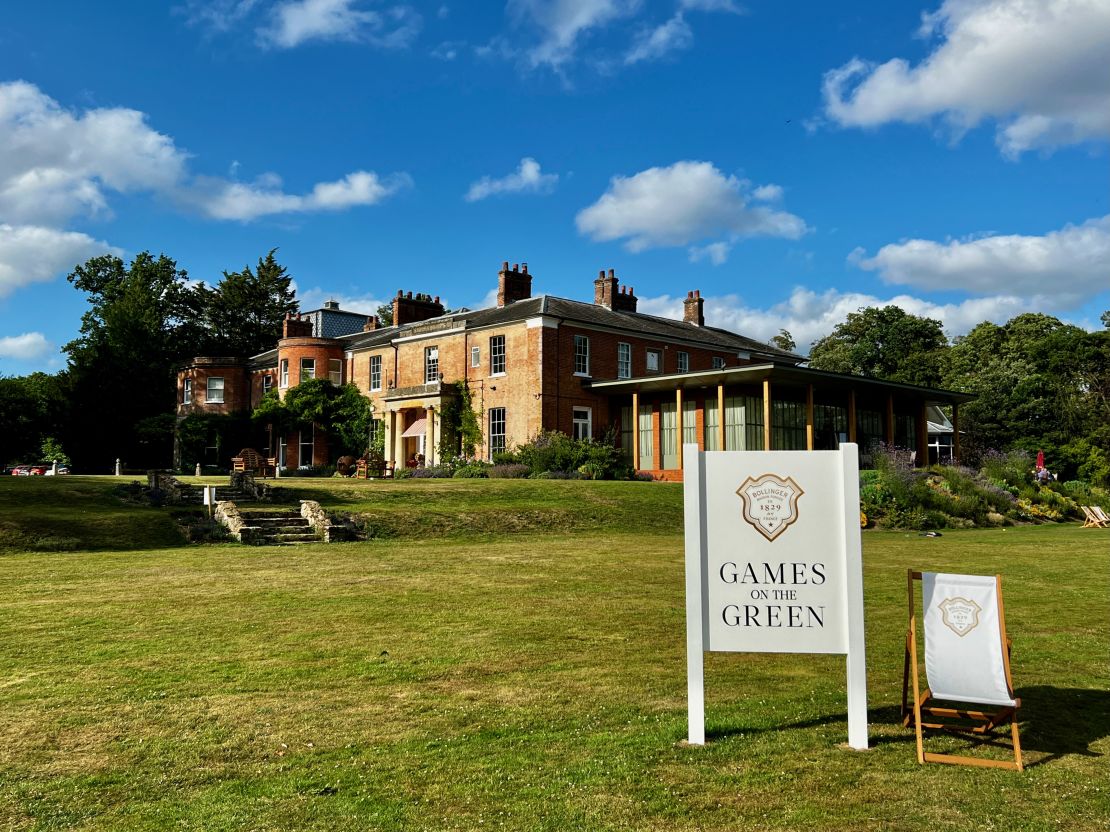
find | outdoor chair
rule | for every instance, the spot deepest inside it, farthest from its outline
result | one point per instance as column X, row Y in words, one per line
column 251, row 461
column 1100, row 515
column 967, row 661
column 1091, row 519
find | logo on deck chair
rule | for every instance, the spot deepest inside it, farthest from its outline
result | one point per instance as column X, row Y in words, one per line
column 770, row 503
column 960, row 615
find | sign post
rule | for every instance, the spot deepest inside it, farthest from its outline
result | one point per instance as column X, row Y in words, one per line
column 773, row 564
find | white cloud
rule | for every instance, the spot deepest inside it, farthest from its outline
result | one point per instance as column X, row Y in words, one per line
column 224, row 200
column 295, row 22
column 216, row 16
column 768, row 193
column 1071, row 262
column 55, row 164
column 809, row 315
column 562, row 23
column 1038, row 67
column 650, row 44
column 527, row 179
column 314, row 298
column 684, row 203
column 25, row 347
column 711, row 6
column 33, row 254
column 715, row 253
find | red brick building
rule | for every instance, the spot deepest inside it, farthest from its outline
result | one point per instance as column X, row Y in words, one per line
column 537, row 363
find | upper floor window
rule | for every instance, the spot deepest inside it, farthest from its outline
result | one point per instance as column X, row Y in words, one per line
column 308, row 368
column 431, row 364
column 335, row 371
column 581, row 355
column 718, row 363
column 654, row 361
column 496, row 354
column 284, row 377
column 215, row 392
column 375, row 372
column 684, row 362
column 624, row 360
column 475, row 356
column 267, row 383
column 187, row 392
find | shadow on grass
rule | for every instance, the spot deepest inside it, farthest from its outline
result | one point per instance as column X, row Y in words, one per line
column 1056, row 722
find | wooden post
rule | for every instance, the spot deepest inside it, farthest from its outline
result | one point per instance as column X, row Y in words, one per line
column 889, row 419
column 678, row 423
column 721, row 418
column 635, row 431
column 922, row 437
column 956, row 433
column 766, row 414
column 809, row 417
column 851, row 415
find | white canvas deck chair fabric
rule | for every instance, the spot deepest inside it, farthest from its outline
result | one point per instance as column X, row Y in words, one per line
column 1100, row 515
column 1091, row 518
column 967, row 661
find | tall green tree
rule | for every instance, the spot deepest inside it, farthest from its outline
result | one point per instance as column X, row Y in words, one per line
column 246, row 308
column 141, row 322
column 886, row 343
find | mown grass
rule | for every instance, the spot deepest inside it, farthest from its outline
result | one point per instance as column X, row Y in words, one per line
column 514, row 680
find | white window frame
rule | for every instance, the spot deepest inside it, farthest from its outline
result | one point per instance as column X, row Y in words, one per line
column 658, row 355
column 624, row 360
column 267, row 383
column 498, row 441
column 208, row 390
column 578, row 420
column 582, row 355
column 718, row 363
column 283, row 380
column 683, row 361
column 431, row 364
column 335, row 371
column 187, row 392
column 301, row 446
column 308, row 369
column 375, row 372
column 497, row 351
column 475, row 357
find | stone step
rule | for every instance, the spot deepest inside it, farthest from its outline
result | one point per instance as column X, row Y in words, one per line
column 294, row 538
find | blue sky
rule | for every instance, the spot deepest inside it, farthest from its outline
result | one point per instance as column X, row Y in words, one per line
column 793, row 161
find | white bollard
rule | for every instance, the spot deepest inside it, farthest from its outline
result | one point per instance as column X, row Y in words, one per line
column 198, row 470
column 119, row 468
column 54, row 468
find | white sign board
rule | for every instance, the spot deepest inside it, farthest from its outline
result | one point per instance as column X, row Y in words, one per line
column 773, row 563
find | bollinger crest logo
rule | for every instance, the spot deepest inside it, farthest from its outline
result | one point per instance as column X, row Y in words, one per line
column 960, row 615
column 770, row 503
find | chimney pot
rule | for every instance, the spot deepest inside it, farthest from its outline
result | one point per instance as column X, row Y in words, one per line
column 505, row 266
column 524, row 268
column 612, row 273
column 601, row 274
column 436, row 299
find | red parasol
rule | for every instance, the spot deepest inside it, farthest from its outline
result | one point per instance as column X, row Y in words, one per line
column 1040, row 459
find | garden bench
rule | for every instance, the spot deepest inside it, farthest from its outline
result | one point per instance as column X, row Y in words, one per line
column 251, row 461
column 362, row 469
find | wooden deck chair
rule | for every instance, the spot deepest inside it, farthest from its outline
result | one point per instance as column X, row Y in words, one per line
column 967, row 660
column 1100, row 515
column 1091, row 520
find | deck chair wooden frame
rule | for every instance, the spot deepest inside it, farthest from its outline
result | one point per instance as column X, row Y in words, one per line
column 921, row 714
column 1100, row 516
column 1091, row 520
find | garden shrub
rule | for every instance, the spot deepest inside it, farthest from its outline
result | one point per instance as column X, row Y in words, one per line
column 508, row 471
column 472, row 470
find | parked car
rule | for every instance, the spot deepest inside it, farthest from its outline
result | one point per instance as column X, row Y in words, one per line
column 39, row 469
column 21, row 471
column 62, row 469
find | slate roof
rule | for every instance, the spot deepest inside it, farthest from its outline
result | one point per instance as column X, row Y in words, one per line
column 635, row 323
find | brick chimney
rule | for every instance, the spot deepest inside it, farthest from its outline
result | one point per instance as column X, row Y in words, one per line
column 373, row 322
column 408, row 309
column 296, row 327
column 693, row 308
column 513, row 284
column 609, row 293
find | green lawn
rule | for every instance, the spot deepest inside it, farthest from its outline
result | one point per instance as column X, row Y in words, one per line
column 526, row 675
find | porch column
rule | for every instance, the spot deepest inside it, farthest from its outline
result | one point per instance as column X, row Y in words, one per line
column 390, row 435
column 399, row 442
column 721, row 418
column 809, row 417
column 656, row 437
column 890, row 419
column 955, row 433
column 635, row 431
column 430, row 436
column 922, row 437
column 767, row 414
column 678, row 422
column 851, row 415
